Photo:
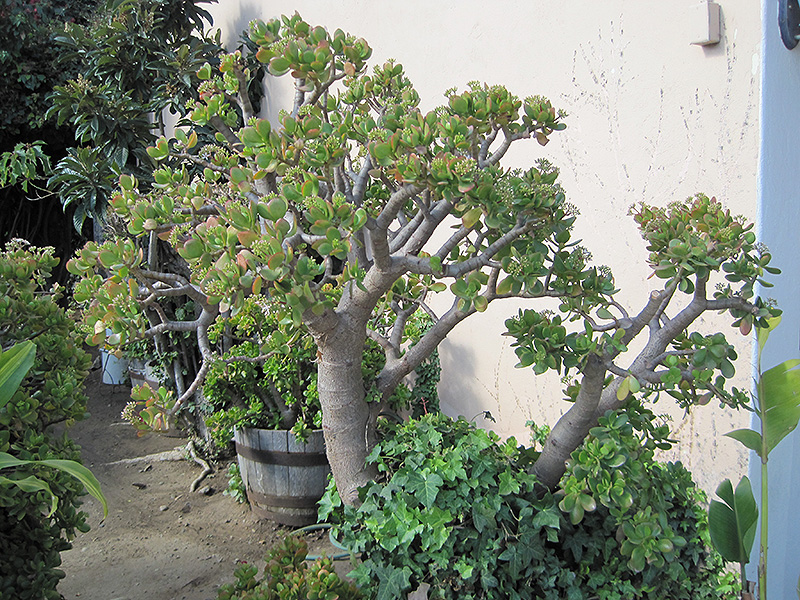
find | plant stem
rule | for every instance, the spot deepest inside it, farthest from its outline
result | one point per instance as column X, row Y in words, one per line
column 743, row 575
column 762, row 553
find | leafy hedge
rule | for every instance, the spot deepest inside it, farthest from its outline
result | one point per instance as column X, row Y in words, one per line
column 52, row 393
column 456, row 509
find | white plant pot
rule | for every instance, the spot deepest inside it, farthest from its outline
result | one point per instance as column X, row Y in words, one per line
column 114, row 369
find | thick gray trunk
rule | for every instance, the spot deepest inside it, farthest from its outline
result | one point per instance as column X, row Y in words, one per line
column 347, row 423
column 573, row 427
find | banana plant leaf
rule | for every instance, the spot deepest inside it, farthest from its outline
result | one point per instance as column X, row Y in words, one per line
column 77, row 470
column 779, row 397
column 732, row 523
column 14, row 365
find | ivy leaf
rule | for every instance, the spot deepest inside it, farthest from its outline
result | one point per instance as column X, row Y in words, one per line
column 393, row 582
column 425, row 487
column 508, row 484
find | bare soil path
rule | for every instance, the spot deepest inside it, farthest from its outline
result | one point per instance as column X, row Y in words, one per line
column 160, row 541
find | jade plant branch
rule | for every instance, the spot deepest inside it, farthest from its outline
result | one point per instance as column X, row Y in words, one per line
column 328, row 219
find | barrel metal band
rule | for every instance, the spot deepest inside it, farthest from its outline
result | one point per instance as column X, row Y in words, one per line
column 267, row 501
column 285, row 518
column 286, row 459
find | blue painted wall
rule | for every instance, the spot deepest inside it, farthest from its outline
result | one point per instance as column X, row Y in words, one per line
column 779, row 224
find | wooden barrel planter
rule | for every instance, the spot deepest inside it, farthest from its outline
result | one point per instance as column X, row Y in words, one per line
column 284, row 477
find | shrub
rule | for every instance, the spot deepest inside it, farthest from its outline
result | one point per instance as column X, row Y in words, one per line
column 246, row 388
column 455, row 509
column 52, row 393
column 288, row 577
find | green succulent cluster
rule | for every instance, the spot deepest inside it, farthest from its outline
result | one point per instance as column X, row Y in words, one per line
column 31, row 535
column 287, row 576
column 700, row 236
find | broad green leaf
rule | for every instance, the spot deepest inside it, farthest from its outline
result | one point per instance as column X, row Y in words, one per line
column 780, row 404
column 14, row 365
column 31, row 485
column 546, row 518
column 77, row 470
column 508, row 484
column 763, row 332
column 751, row 439
column 732, row 523
column 394, row 582
column 426, row 487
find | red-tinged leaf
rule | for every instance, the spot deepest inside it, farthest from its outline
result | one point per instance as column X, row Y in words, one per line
column 263, row 55
column 192, row 249
column 505, row 286
column 705, row 399
column 278, row 65
column 276, row 209
column 107, row 258
column 247, row 237
column 276, row 260
column 541, row 138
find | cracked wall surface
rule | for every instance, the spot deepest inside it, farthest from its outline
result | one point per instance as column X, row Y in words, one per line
column 652, row 118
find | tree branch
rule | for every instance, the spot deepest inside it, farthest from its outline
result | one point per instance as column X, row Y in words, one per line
column 230, row 137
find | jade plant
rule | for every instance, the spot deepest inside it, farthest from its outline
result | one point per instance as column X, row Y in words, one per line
column 287, row 576
column 280, row 391
column 14, row 366
column 32, row 533
column 348, row 212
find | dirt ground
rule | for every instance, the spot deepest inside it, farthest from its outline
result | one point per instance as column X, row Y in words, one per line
column 160, row 541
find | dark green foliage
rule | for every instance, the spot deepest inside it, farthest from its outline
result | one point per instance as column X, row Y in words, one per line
column 279, row 391
column 29, row 69
column 29, row 61
column 455, row 509
column 136, row 60
column 52, row 393
column 288, row 577
column 235, row 489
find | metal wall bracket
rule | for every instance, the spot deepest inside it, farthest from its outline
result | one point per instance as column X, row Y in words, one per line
column 789, row 22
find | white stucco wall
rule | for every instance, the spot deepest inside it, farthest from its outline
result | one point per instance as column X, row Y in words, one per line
column 652, row 118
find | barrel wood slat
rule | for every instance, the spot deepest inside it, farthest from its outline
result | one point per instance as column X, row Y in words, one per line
column 284, row 478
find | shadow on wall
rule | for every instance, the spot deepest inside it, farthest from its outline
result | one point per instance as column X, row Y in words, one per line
column 460, row 395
